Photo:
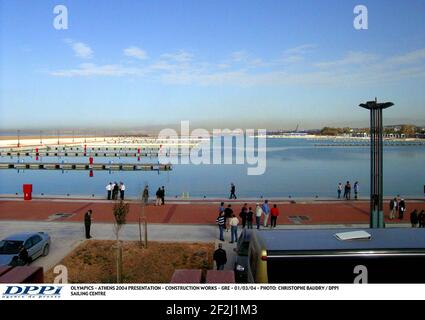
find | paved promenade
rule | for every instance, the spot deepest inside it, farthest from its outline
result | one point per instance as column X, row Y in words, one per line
column 191, row 221
column 193, row 212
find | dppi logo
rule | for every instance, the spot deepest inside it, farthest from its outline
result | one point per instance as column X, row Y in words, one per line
column 32, row 291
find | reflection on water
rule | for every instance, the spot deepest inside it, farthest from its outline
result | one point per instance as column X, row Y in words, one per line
column 295, row 168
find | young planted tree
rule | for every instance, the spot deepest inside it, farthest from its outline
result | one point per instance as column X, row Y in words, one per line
column 142, row 217
column 120, row 212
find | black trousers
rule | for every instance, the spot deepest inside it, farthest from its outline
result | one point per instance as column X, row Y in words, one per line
column 109, row 195
column 273, row 221
column 162, row 200
column 87, row 227
column 122, row 195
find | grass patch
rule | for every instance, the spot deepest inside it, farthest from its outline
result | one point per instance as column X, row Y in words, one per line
column 94, row 261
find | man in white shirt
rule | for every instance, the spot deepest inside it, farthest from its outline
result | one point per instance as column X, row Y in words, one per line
column 109, row 190
column 234, row 228
column 122, row 190
column 258, row 213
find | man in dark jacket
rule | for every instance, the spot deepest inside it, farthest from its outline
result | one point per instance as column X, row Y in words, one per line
column 227, row 215
column 162, row 195
column 421, row 219
column 244, row 214
column 87, row 223
column 414, row 218
column 220, row 257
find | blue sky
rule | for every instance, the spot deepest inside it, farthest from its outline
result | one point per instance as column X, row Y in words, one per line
column 268, row 64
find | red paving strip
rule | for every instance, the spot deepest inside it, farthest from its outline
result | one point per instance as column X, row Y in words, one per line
column 170, row 213
column 86, row 206
column 191, row 213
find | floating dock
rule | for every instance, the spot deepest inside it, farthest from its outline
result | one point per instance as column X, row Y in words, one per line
column 82, row 154
column 86, row 166
column 367, row 144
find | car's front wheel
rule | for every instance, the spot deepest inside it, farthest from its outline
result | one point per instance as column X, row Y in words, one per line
column 46, row 250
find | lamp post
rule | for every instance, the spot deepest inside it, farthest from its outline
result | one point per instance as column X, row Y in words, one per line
column 19, row 138
column 376, row 161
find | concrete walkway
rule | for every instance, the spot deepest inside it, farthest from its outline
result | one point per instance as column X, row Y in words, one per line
column 66, row 236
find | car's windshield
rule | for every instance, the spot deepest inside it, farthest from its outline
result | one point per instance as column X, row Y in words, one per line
column 10, row 246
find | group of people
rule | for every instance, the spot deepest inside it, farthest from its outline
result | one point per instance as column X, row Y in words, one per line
column 113, row 189
column 227, row 219
column 160, row 196
column 397, row 206
column 347, row 190
column 417, row 219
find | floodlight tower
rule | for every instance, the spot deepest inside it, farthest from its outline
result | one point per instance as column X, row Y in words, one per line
column 376, row 161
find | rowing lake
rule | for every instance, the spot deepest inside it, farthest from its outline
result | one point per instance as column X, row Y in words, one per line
column 295, row 167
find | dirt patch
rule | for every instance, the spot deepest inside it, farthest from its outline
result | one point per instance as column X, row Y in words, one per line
column 94, row 261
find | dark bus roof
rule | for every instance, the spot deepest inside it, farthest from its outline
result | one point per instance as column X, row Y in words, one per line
column 324, row 240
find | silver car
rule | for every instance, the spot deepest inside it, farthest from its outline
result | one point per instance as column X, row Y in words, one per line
column 37, row 244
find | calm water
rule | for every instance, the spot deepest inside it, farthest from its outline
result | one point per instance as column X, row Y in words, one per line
column 295, row 167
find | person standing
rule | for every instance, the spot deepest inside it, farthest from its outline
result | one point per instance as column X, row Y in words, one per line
column 393, row 208
column 145, row 196
column 401, row 209
column 158, row 197
column 356, row 190
column 232, row 191
column 109, row 190
column 421, row 219
column 221, row 209
column 347, row 191
column 23, row 256
column 221, row 222
column 220, row 257
column 258, row 214
column 274, row 212
column 228, row 212
column 122, row 190
column 234, row 228
column 87, row 223
column 243, row 214
column 339, row 190
column 115, row 191
column 414, row 218
column 266, row 210
column 249, row 218
column 162, row 195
